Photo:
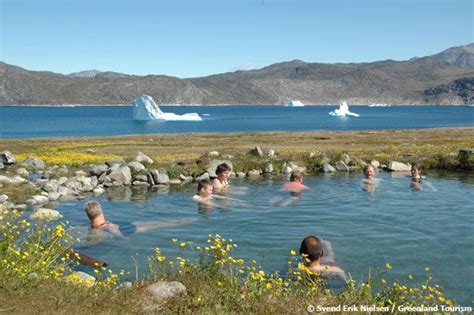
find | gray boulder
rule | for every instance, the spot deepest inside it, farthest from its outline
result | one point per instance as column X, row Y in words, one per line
column 53, row 196
column 395, row 166
column 142, row 158
column 269, row 168
column 2, row 166
column 257, row 151
column 120, row 162
column 162, row 179
column 7, row 158
column 12, row 180
column 123, row 175
column 271, row 153
column 37, row 200
column 164, row 290
column 213, row 154
column 240, row 174
column 3, row 198
column 136, row 167
column 286, row 170
column 345, row 158
column 328, row 168
column 140, row 183
column 341, row 166
column 63, row 191
column 51, row 186
column 62, row 180
column 254, row 173
column 213, row 165
column 175, row 181
column 142, row 178
column 44, row 213
column 22, row 172
column 202, row 177
column 375, row 163
column 98, row 170
column 359, row 162
column 98, row 191
column 33, row 163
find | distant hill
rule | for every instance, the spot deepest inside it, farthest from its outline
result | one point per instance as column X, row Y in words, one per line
column 443, row 78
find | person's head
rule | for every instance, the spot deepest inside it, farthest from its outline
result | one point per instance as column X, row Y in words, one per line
column 223, row 171
column 311, row 248
column 93, row 210
column 369, row 171
column 416, row 171
column 204, row 188
column 296, row 176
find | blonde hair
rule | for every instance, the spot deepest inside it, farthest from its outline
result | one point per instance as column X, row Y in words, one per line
column 93, row 209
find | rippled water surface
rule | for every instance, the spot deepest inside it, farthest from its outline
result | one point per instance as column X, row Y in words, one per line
column 27, row 122
column 410, row 229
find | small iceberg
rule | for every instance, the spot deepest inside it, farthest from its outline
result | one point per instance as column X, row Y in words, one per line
column 343, row 111
column 295, row 103
column 144, row 109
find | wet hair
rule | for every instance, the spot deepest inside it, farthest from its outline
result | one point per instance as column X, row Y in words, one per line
column 296, row 175
column 311, row 248
column 366, row 168
column 417, row 167
column 93, row 209
column 221, row 168
column 203, row 184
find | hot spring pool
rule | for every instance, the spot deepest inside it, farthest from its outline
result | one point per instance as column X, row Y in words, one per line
column 410, row 229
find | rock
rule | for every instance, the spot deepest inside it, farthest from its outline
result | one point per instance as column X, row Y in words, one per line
column 240, row 174
column 162, row 179
column 142, row 158
column 79, row 277
column 185, row 179
column 51, row 186
column 154, row 175
column 90, row 151
column 395, row 166
column 33, row 163
column 136, row 167
column 98, row 170
column 328, row 168
column 269, row 168
column 312, row 155
column 22, row 172
column 12, row 180
column 98, row 191
column 286, row 170
column 254, row 173
column 213, row 165
column 3, row 198
column 213, row 154
column 120, row 162
column 32, row 276
column 62, row 180
column 113, row 168
column 140, row 183
column 341, row 166
column 126, row 285
column 227, row 157
column 375, row 163
column 80, row 173
column 54, row 196
column 202, row 177
column 123, row 175
column 142, row 178
column 37, row 200
column 163, row 290
column 175, row 181
column 271, row 153
column 345, row 158
column 20, row 206
column 2, row 166
column 44, row 213
column 62, row 170
column 63, row 191
column 358, row 162
column 67, row 198
column 44, row 193
column 257, row 151
column 7, row 158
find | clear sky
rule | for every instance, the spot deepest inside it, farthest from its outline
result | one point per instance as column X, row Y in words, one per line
column 189, row 38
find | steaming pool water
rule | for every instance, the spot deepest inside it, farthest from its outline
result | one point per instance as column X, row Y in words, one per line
column 408, row 228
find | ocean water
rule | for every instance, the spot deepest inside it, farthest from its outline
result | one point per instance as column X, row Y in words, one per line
column 27, row 122
column 410, row 229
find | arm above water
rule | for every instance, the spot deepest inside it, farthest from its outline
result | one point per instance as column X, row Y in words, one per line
column 143, row 226
column 328, row 252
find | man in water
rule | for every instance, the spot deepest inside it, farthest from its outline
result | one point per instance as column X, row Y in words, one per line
column 204, row 194
column 295, row 185
column 223, row 173
column 96, row 216
column 312, row 251
column 369, row 181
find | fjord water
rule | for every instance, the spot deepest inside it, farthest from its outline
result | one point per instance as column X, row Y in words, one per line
column 410, row 229
column 27, row 122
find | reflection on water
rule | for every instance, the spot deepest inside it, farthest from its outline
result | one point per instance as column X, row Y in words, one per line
column 410, row 228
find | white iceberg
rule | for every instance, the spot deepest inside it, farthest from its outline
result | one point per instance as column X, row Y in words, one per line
column 343, row 111
column 292, row 103
column 380, row 105
column 144, row 108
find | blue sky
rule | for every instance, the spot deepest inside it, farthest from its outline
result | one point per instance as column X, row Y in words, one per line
column 195, row 38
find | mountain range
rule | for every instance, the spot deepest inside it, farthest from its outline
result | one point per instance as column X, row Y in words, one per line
column 446, row 78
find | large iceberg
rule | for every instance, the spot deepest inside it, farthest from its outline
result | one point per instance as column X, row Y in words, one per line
column 292, row 103
column 343, row 111
column 144, row 108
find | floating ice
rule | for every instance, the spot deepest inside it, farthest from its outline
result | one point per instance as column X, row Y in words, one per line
column 343, row 111
column 380, row 105
column 144, row 108
column 292, row 103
